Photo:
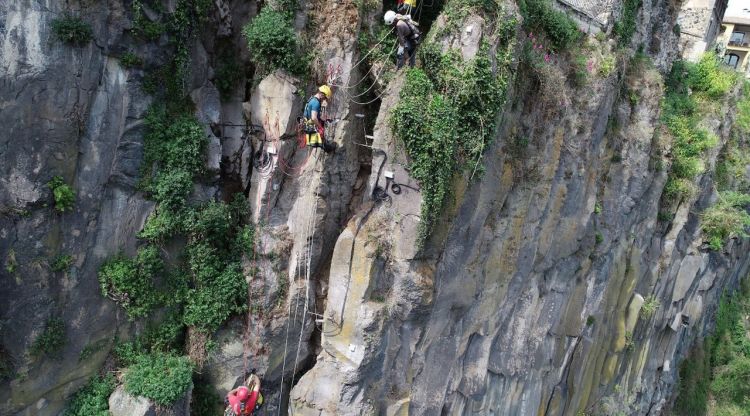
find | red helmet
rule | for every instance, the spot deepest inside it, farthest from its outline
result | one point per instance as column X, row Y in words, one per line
column 242, row 393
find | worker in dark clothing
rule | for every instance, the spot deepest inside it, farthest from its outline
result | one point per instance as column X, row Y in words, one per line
column 408, row 37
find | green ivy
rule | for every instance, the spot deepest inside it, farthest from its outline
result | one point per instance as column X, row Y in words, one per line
column 446, row 118
column 72, row 29
column 93, row 398
column 62, row 193
column 161, row 377
column 51, row 340
column 272, row 42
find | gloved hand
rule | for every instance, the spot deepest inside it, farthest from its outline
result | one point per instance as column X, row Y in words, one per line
column 226, row 401
column 400, row 50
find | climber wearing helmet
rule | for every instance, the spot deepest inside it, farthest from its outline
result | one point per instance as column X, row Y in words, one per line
column 408, row 36
column 313, row 122
column 244, row 400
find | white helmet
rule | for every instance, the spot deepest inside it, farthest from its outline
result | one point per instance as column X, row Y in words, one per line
column 389, row 17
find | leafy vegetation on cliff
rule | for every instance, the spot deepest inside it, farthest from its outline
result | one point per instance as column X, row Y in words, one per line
column 720, row 367
column 62, row 193
column 540, row 15
column 272, row 41
column 51, row 340
column 693, row 91
column 690, row 88
column 93, row 398
column 187, row 271
column 72, row 29
column 446, row 115
column 163, row 378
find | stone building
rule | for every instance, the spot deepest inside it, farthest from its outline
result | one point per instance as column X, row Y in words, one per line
column 699, row 25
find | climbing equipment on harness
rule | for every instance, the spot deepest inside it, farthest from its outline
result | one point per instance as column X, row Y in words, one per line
column 416, row 35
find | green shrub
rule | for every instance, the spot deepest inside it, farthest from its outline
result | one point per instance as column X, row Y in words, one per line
column 93, row 398
column 219, row 291
column 163, row 378
column 650, row 305
column 731, row 168
column 62, row 263
column 173, row 145
column 130, row 282
column 732, row 383
column 161, row 225
column 272, row 41
column 590, row 320
column 51, row 340
column 606, row 66
column 71, row 29
column 677, row 189
column 131, row 60
column 599, row 238
column 726, row 218
column 62, row 193
column 710, row 77
column 625, row 28
column 126, row 353
column 559, row 27
column 688, row 88
column 171, row 189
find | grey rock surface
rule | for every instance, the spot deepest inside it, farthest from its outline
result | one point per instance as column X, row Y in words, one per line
column 512, row 308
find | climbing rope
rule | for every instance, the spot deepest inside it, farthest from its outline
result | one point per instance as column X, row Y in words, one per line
column 303, row 260
column 366, row 55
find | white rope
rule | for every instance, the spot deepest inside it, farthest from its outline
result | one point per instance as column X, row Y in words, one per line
column 368, row 53
column 308, row 249
column 298, row 273
column 377, row 77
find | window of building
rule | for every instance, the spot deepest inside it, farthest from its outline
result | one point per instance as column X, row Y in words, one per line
column 731, row 60
column 737, row 37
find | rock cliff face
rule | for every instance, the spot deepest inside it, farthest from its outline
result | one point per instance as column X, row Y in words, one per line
column 524, row 301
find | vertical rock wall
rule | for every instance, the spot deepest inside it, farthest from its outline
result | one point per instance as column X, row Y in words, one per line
column 524, row 302
column 527, row 299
